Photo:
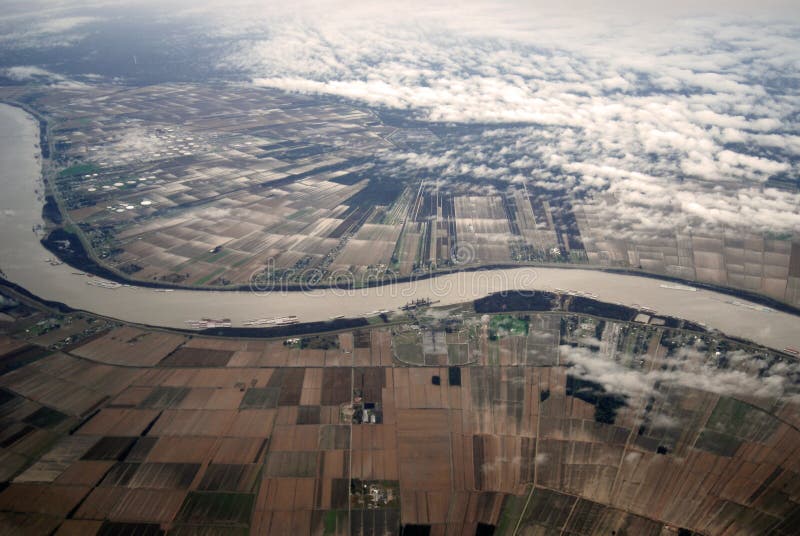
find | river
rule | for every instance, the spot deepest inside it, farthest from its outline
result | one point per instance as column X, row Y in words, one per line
column 22, row 258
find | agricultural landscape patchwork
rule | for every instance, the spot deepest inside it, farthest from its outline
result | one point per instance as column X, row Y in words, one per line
column 155, row 155
column 217, row 186
column 573, row 417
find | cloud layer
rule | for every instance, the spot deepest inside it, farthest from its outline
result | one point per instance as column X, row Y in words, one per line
column 657, row 117
column 688, row 123
column 745, row 376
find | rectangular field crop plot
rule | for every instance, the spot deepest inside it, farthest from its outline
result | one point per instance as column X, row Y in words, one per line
column 260, row 398
column 193, row 422
column 370, row 381
column 164, row 475
column 336, row 386
column 458, row 353
column 45, row 499
column 382, row 521
column 84, row 473
column 214, row 508
column 120, row 475
column 110, row 528
column 172, row 449
column 147, row 505
column 230, row 477
column 44, row 417
column 423, row 444
column 362, row 338
column 252, row 423
column 110, row 448
column 118, row 422
column 292, row 464
column 290, row 381
column 197, row 357
column 309, row 415
column 240, row 450
column 130, row 346
column 334, row 437
column 164, row 397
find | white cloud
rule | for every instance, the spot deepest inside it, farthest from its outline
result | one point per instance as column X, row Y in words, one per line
column 31, row 73
column 657, row 117
column 44, row 28
column 689, row 368
column 622, row 109
column 28, row 72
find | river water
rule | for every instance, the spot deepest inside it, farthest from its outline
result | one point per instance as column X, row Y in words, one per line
column 22, row 258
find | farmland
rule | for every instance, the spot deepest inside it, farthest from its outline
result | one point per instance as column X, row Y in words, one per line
column 223, row 187
column 455, row 422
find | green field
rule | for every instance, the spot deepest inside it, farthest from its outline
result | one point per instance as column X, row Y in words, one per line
column 503, row 325
column 78, row 169
column 408, row 347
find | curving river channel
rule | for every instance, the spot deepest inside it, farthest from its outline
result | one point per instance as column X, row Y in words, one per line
column 22, row 259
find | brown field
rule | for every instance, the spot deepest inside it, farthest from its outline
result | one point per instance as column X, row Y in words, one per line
column 130, row 346
column 67, row 384
column 240, row 442
column 8, row 344
column 197, row 357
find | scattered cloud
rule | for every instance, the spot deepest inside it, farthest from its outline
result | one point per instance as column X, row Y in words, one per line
column 32, row 73
column 623, row 114
column 48, row 28
column 653, row 118
column 22, row 73
column 746, row 375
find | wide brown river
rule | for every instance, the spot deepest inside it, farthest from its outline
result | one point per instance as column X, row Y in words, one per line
column 22, row 258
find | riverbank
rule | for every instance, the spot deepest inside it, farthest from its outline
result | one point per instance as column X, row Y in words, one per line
column 79, row 257
column 29, row 265
column 75, row 255
column 542, row 302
